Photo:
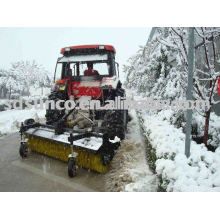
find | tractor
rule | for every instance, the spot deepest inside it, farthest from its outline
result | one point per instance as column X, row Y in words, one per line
column 87, row 137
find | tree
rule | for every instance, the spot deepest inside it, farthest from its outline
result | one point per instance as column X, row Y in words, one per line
column 2, row 80
column 206, row 72
column 163, row 67
column 29, row 74
column 9, row 82
column 22, row 75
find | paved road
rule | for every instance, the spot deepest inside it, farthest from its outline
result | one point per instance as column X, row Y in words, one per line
column 38, row 173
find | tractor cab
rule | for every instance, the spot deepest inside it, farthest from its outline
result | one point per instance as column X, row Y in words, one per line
column 87, row 69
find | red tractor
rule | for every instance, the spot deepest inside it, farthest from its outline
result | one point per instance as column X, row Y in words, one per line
column 86, row 138
column 88, row 70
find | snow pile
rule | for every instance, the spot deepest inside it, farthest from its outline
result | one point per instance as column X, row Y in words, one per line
column 10, row 120
column 129, row 170
column 2, row 102
column 199, row 121
column 200, row 172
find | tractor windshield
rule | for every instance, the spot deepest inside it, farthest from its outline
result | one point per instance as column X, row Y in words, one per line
column 101, row 69
column 78, row 66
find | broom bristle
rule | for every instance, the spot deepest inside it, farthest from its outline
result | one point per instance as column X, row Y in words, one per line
column 59, row 151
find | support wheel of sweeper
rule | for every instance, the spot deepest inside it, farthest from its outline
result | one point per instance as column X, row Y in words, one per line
column 23, row 150
column 72, row 168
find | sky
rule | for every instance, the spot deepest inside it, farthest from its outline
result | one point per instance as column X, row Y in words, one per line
column 44, row 44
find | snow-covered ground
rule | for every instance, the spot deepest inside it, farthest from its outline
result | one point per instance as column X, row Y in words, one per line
column 10, row 120
column 2, row 101
column 199, row 172
column 129, row 170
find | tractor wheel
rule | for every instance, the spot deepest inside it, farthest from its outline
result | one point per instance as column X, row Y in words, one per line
column 53, row 115
column 23, row 150
column 29, row 121
column 114, row 124
column 72, row 168
column 126, row 118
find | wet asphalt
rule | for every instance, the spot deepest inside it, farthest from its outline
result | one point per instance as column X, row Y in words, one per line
column 39, row 173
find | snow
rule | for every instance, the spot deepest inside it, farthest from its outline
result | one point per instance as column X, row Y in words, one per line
column 10, row 120
column 214, row 127
column 141, row 180
column 92, row 143
column 48, row 133
column 116, row 139
column 2, row 101
column 84, row 58
column 214, row 124
column 39, row 93
column 24, row 74
column 199, row 172
column 129, row 170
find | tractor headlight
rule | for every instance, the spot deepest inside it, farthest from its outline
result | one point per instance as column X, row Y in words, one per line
column 67, row 49
column 59, row 87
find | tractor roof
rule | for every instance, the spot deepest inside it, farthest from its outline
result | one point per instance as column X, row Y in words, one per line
column 86, row 47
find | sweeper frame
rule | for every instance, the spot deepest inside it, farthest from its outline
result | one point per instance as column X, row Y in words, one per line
column 102, row 154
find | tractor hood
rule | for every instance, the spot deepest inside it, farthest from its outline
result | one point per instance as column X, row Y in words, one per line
column 93, row 88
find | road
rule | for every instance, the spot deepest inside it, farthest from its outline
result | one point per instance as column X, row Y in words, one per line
column 38, row 173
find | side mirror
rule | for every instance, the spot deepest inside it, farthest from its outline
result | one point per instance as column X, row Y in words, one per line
column 54, row 78
column 117, row 68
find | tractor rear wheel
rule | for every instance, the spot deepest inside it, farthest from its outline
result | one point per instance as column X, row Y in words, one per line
column 114, row 124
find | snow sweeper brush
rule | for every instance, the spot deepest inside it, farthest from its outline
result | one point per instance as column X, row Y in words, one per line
column 84, row 149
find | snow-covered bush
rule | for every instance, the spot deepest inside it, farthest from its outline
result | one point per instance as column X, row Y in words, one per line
column 199, row 172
